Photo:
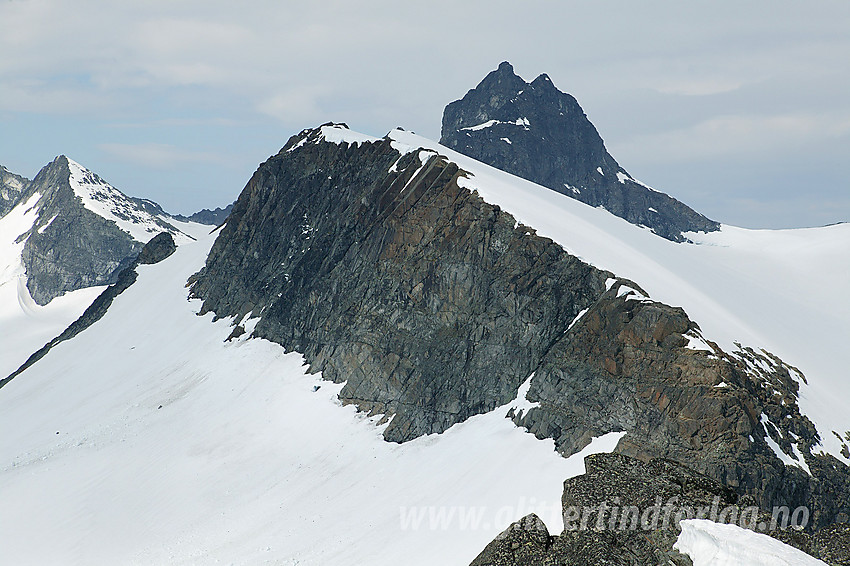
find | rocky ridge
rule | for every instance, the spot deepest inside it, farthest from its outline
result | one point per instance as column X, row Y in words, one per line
column 433, row 305
column 157, row 249
column 626, row 512
column 11, row 189
column 539, row 133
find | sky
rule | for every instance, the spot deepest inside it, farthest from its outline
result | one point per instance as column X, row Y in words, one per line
column 739, row 109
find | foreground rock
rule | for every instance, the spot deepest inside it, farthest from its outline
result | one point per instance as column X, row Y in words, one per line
column 626, row 512
column 539, row 133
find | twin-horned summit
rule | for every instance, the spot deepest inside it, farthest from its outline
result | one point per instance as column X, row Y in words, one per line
column 535, row 131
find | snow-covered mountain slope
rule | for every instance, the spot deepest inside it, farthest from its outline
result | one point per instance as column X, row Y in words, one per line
column 53, row 222
column 108, row 202
column 714, row 544
column 25, row 325
column 781, row 290
column 148, row 439
column 86, row 230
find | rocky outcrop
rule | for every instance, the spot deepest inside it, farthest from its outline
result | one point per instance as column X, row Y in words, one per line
column 11, row 189
column 626, row 365
column 71, row 247
column 157, row 249
column 206, row 216
column 525, row 543
column 539, row 133
column 626, row 512
column 433, row 305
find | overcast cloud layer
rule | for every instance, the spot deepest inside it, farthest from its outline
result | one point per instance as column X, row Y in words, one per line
column 742, row 110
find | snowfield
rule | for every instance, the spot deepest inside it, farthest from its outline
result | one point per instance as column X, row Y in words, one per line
column 27, row 326
column 715, row 544
column 148, row 439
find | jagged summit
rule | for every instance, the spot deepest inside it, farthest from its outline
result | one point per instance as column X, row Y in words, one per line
column 82, row 231
column 502, row 80
column 537, row 132
column 139, row 218
column 11, row 188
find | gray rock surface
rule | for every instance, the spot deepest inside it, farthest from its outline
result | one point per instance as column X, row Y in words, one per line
column 157, row 249
column 626, row 512
column 11, row 188
column 70, row 247
column 433, row 306
column 539, row 133
column 624, row 366
column 526, row 542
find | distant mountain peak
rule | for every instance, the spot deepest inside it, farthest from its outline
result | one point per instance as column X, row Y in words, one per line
column 11, row 188
column 84, row 230
column 211, row 217
column 539, row 133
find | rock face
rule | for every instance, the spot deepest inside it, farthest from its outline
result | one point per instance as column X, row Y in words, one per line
column 434, row 306
column 539, row 133
column 625, row 365
column 11, row 189
column 71, row 246
column 525, row 543
column 626, row 512
column 399, row 282
column 157, row 249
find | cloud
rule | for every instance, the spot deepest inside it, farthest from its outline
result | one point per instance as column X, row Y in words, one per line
column 736, row 135
column 702, row 86
column 158, row 156
column 294, row 106
column 180, row 123
column 167, row 36
column 52, row 97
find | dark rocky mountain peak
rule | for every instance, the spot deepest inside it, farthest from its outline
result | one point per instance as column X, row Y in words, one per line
column 535, row 131
column 86, row 230
column 503, row 81
column 11, row 188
